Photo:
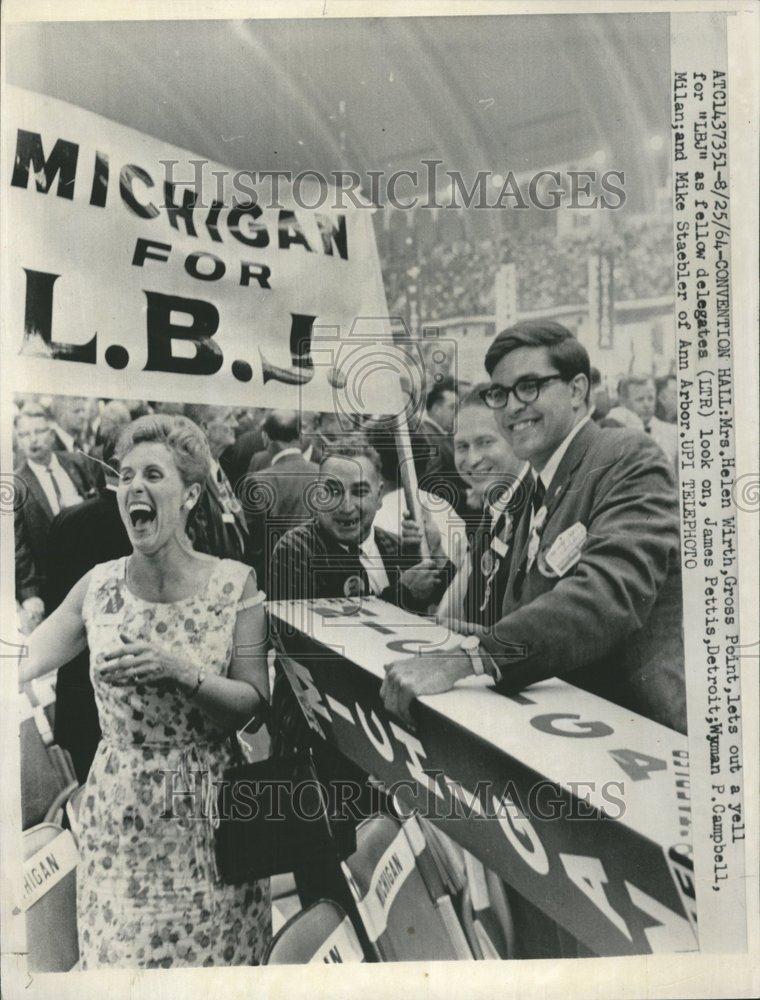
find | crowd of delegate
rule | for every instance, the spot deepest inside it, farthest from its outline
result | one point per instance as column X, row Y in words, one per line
column 455, row 276
column 547, row 522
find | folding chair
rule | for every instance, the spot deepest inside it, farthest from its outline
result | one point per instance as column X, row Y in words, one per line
column 442, row 881
column 404, row 912
column 320, row 933
column 43, row 690
column 50, row 860
column 486, row 915
column 491, row 918
column 47, row 776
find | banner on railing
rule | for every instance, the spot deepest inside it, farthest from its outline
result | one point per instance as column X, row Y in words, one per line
column 578, row 804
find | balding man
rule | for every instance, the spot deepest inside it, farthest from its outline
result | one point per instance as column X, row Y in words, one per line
column 276, row 498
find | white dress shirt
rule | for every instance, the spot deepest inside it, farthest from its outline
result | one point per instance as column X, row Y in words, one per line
column 69, row 495
column 549, row 470
column 372, row 561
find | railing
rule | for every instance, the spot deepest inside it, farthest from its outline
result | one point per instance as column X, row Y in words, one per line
column 578, row 804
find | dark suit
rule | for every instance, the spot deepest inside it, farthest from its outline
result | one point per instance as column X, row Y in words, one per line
column 483, row 602
column 613, row 623
column 80, row 538
column 32, row 520
column 236, row 459
column 261, row 460
column 309, row 563
column 434, row 462
column 275, row 500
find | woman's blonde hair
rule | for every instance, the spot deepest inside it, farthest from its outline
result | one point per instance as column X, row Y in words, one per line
column 189, row 447
column 184, row 439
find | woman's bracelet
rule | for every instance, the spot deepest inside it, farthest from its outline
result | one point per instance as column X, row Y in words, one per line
column 200, row 680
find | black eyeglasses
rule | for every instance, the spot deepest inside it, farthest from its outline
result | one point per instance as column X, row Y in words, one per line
column 525, row 389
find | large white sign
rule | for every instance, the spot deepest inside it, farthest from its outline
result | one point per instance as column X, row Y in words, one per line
column 139, row 270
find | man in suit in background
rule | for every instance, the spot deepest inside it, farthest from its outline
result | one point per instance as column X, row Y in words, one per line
column 637, row 395
column 666, row 409
column 81, row 537
column 277, row 498
column 70, row 427
column 237, row 457
column 594, row 589
column 433, row 445
column 50, row 482
column 338, row 553
column 219, row 424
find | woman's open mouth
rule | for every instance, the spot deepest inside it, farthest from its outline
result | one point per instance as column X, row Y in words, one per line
column 142, row 515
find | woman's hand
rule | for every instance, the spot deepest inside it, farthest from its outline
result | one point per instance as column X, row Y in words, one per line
column 143, row 662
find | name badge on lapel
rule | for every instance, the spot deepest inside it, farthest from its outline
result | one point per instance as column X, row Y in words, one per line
column 564, row 552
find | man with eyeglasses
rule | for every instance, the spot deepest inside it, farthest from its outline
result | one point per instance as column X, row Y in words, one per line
column 594, row 590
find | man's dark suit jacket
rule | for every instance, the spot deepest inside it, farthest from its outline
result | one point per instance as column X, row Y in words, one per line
column 309, row 564
column 32, row 523
column 482, row 605
column 276, row 500
column 436, row 471
column 613, row 623
column 80, row 538
column 260, row 461
column 236, row 459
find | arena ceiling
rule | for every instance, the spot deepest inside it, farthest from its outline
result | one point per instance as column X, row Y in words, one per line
column 498, row 93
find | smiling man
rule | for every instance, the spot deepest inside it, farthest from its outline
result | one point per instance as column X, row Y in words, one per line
column 338, row 554
column 498, row 478
column 594, row 591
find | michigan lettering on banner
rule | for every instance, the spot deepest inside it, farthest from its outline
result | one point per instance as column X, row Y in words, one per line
column 137, row 273
column 581, row 806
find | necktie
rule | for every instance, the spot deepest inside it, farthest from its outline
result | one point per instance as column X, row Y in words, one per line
column 357, row 568
column 537, row 500
column 56, row 489
column 538, row 495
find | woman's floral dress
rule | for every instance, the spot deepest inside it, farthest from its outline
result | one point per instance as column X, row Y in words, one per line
column 147, row 889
